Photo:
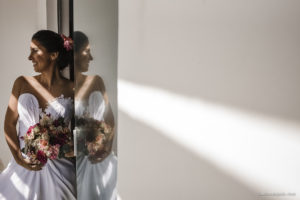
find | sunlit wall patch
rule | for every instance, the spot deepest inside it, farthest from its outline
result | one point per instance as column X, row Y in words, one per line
column 251, row 147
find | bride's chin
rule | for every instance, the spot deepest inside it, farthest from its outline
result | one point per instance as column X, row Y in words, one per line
column 83, row 70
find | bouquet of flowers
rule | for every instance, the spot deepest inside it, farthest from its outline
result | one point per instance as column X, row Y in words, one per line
column 97, row 136
column 48, row 139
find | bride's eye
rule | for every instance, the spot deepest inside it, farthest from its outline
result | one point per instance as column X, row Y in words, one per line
column 33, row 50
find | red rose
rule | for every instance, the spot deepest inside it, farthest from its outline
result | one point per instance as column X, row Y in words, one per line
column 41, row 156
column 30, row 129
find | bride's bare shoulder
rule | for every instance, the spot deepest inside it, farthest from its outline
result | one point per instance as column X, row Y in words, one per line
column 96, row 79
column 19, row 85
column 22, row 81
column 25, row 84
column 19, row 80
column 95, row 82
column 26, row 81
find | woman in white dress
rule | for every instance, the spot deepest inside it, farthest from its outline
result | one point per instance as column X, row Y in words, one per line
column 96, row 174
column 51, row 93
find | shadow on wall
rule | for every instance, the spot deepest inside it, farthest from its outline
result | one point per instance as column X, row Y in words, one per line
column 203, row 50
column 252, row 89
column 155, row 165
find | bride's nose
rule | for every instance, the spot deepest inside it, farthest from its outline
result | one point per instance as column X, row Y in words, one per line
column 30, row 57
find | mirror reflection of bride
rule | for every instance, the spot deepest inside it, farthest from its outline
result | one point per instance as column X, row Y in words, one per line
column 38, row 172
column 96, row 162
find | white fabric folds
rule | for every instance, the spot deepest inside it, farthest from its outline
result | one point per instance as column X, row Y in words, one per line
column 57, row 178
column 99, row 180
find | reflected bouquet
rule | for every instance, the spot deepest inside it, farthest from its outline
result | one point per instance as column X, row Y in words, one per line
column 48, row 139
column 97, row 136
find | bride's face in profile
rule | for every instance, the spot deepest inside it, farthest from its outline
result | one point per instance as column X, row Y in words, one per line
column 83, row 58
column 39, row 56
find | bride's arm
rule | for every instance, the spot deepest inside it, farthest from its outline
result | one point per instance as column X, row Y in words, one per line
column 109, row 119
column 11, row 118
column 101, row 155
column 108, row 114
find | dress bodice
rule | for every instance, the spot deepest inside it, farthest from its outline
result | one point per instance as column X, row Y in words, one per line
column 94, row 107
column 30, row 111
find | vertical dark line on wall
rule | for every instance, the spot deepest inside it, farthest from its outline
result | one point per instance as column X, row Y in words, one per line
column 71, row 29
column 71, row 17
column 59, row 16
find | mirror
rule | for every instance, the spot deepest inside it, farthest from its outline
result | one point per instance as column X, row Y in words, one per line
column 95, row 72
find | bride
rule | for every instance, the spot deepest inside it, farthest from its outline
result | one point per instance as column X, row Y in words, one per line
column 50, row 93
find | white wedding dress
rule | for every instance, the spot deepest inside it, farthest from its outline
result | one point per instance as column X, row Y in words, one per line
column 57, row 179
column 99, row 180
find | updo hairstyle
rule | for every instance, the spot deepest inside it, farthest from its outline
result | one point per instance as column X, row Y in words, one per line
column 54, row 42
column 80, row 40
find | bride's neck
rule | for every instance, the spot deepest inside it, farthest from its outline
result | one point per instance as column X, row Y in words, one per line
column 79, row 78
column 50, row 76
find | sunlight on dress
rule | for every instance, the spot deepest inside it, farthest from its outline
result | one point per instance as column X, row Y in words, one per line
column 20, row 185
column 2, row 197
column 107, row 176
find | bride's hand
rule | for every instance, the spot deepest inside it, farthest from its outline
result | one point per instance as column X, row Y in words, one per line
column 98, row 156
column 27, row 164
column 30, row 166
column 70, row 154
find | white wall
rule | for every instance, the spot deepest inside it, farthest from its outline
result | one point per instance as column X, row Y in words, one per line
column 209, row 99
column 18, row 21
column 51, row 10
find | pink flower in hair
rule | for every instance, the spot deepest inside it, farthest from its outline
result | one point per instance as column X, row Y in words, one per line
column 68, row 42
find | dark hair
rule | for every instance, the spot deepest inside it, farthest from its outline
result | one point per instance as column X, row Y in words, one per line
column 54, row 42
column 80, row 39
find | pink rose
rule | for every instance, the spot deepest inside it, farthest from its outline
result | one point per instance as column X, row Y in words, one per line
column 30, row 129
column 54, row 151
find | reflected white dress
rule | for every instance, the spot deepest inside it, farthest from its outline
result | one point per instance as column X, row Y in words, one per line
column 56, row 180
column 95, row 181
